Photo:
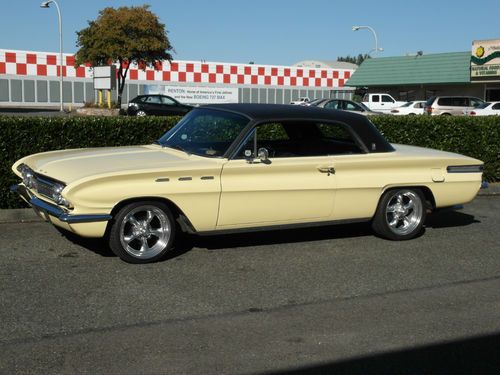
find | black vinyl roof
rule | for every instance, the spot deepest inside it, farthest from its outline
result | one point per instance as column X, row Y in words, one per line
column 359, row 124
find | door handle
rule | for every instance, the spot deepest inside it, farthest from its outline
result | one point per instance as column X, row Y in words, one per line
column 329, row 170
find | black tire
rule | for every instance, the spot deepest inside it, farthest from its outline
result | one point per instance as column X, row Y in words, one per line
column 142, row 232
column 400, row 214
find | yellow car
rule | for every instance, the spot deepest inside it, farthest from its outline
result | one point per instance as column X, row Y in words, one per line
column 245, row 167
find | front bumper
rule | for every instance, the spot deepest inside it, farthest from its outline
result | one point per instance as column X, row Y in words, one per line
column 44, row 209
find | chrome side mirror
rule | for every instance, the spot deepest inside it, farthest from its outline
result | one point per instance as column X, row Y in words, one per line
column 263, row 155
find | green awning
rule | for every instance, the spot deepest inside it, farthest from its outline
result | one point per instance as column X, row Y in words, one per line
column 439, row 68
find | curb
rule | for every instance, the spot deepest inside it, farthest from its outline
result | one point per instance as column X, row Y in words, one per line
column 26, row 215
column 18, row 215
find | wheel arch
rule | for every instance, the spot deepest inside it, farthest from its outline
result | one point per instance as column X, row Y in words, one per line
column 178, row 214
column 430, row 201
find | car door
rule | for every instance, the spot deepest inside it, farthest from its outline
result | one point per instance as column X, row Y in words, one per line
column 170, row 107
column 296, row 183
column 152, row 104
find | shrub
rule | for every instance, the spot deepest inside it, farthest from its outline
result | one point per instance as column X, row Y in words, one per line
column 478, row 137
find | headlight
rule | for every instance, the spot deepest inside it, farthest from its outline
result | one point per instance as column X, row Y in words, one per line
column 57, row 195
column 28, row 176
column 132, row 105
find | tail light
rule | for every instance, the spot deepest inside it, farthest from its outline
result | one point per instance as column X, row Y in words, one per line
column 428, row 109
column 472, row 113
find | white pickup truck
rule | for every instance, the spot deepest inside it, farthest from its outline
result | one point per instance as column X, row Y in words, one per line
column 381, row 102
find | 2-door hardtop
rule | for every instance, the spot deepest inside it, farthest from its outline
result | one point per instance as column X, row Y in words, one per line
column 242, row 167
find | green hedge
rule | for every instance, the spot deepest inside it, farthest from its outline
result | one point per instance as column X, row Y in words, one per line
column 21, row 136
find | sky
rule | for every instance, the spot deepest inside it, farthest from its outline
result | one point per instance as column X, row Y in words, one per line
column 278, row 32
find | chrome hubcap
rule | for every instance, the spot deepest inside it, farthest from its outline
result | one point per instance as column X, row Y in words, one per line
column 145, row 232
column 403, row 212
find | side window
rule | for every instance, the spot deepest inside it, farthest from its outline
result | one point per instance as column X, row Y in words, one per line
column 333, row 104
column 387, row 99
column 460, row 102
column 445, row 102
column 335, row 139
column 352, row 107
column 496, row 106
column 272, row 137
column 166, row 100
column 153, row 99
column 475, row 103
column 375, row 98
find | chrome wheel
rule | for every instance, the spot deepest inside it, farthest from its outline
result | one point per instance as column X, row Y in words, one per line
column 145, row 232
column 404, row 212
column 140, row 113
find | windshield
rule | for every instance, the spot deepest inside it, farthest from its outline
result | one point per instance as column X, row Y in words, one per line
column 484, row 105
column 205, row 132
column 407, row 104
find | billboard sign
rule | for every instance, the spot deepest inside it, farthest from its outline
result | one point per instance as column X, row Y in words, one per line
column 104, row 77
column 485, row 59
column 196, row 94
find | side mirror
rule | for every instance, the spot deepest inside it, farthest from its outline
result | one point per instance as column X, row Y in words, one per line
column 263, row 155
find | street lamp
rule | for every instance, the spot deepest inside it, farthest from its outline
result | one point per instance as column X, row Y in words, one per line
column 45, row 4
column 377, row 48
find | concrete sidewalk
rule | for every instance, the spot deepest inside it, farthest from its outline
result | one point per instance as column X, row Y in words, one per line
column 19, row 215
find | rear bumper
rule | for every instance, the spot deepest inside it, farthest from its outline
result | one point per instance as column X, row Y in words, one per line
column 44, row 209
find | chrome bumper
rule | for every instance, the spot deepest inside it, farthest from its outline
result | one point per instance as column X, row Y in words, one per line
column 44, row 209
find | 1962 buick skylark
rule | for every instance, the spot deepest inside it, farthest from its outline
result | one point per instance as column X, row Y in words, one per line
column 245, row 167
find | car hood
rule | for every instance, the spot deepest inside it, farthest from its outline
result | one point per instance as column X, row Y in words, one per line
column 70, row 165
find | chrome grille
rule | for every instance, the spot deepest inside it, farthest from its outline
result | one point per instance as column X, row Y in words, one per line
column 45, row 187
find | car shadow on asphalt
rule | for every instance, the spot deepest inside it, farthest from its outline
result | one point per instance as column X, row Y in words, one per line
column 186, row 242
column 449, row 218
column 477, row 355
column 281, row 236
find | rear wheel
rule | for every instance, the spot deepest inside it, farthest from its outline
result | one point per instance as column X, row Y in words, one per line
column 142, row 232
column 400, row 214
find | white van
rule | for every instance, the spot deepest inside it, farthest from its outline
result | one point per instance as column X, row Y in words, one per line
column 381, row 102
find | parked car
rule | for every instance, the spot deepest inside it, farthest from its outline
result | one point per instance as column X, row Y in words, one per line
column 415, row 107
column 158, row 105
column 244, row 167
column 451, row 105
column 345, row 105
column 301, row 101
column 485, row 109
column 381, row 102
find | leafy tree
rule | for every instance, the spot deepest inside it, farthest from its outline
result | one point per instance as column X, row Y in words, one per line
column 354, row 59
column 125, row 35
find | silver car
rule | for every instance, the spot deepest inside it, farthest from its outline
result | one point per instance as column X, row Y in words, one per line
column 345, row 105
column 451, row 105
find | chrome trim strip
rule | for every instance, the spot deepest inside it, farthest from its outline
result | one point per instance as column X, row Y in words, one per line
column 55, row 211
column 464, row 168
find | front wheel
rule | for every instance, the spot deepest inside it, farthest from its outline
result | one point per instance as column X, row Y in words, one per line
column 140, row 113
column 142, row 232
column 400, row 214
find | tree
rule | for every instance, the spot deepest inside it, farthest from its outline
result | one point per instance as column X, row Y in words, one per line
column 355, row 60
column 125, row 35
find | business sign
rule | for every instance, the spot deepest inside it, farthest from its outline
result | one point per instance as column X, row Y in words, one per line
column 485, row 59
column 104, row 77
column 196, row 94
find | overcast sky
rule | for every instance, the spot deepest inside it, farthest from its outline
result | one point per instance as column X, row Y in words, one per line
column 278, row 32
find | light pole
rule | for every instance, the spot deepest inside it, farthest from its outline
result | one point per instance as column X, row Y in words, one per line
column 376, row 49
column 45, row 4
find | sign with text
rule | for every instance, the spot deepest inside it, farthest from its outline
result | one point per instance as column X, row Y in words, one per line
column 104, row 77
column 485, row 59
column 196, row 94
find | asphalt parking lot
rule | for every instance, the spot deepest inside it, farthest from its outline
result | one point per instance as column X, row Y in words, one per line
column 322, row 300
